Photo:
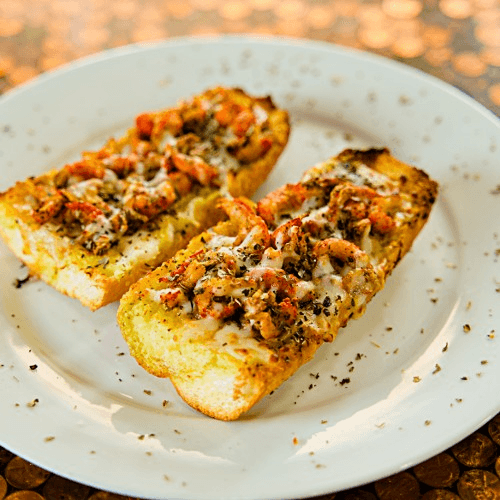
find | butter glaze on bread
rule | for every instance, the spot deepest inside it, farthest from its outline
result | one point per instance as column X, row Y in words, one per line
column 97, row 225
column 248, row 302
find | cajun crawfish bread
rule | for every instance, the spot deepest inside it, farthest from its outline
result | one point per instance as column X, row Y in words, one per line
column 248, row 302
column 94, row 227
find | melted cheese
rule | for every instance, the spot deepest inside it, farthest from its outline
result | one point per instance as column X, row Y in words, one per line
column 361, row 175
column 119, row 187
column 287, row 287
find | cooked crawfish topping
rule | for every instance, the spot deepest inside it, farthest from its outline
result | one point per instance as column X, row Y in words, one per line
column 298, row 261
column 129, row 182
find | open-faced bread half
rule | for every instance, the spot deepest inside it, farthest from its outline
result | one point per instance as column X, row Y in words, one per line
column 94, row 227
column 249, row 301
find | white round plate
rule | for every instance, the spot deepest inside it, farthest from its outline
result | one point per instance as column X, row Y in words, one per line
column 398, row 386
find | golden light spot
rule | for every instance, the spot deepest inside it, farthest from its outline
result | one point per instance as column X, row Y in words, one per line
column 263, row 29
column 261, row 4
column 235, row 10
column 346, row 8
column 456, row 9
column 402, row 9
column 320, row 16
column 347, row 41
column 372, row 15
column 179, row 9
column 485, row 4
column 37, row 16
column 204, row 4
column 118, row 41
column 488, row 17
column 84, row 51
column 375, row 38
column 59, row 26
column 10, row 27
column 488, row 34
column 54, row 44
column 290, row 27
column 125, row 9
column 94, row 37
column 494, row 94
column 12, row 8
column 50, row 62
column 438, row 56
column 204, row 31
column 290, row 9
column 99, row 18
column 469, row 64
column 408, row 47
column 436, row 36
column 145, row 33
column 150, row 14
column 491, row 56
column 7, row 63
column 69, row 7
column 22, row 74
column 235, row 27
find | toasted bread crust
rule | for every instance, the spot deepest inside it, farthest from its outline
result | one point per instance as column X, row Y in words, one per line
column 97, row 280
column 222, row 384
column 223, row 360
column 98, row 273
column 410, row 180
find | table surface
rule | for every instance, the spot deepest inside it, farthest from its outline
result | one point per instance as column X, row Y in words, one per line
column 457, row 41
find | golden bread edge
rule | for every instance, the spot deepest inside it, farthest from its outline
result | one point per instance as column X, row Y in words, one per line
column 414, row 181
column 76, row 272
column 195, row 369
column 99, row 280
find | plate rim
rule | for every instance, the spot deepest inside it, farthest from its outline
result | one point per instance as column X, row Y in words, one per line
column 249, row 37
column 17, row 92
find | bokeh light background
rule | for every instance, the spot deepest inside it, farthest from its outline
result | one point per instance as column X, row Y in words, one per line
column 455, row 40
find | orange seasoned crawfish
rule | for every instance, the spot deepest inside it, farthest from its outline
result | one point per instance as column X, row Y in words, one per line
column 290, row 238
column 275, row 280
column 220, row 297
column 249, row 150
column 51, row 202
column 235, row 116
column 84, row 170
column 149, row 201
column 195, row 167
column 253, row 233
column 286, row 199
column 362, row 202
column 182, row 182
column 84, row 211
column 343, row 252
column 145, row 124
column 169, row 121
